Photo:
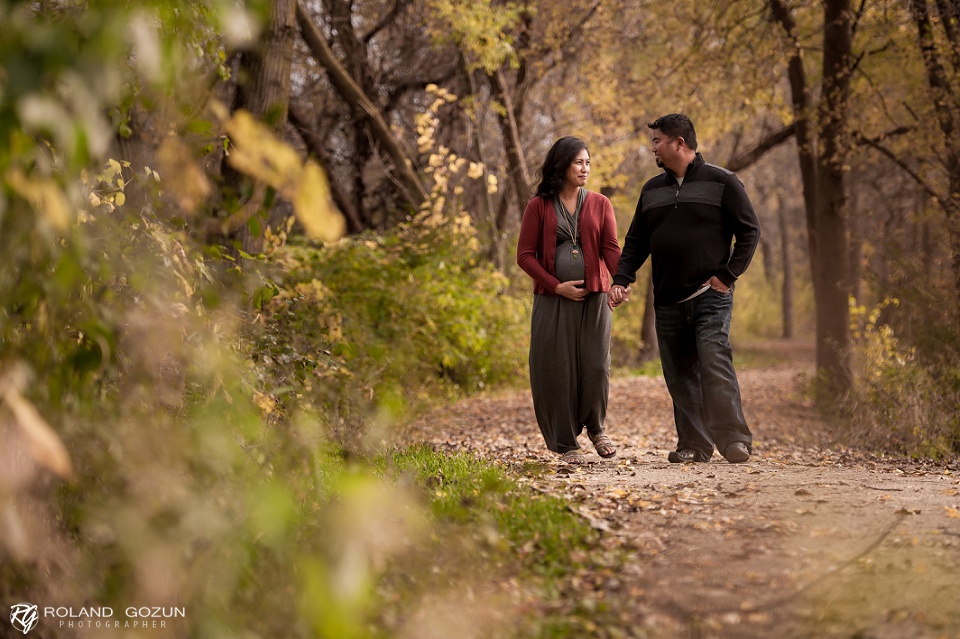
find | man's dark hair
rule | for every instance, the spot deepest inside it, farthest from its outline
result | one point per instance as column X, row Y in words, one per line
column 676, row 125
column 555, row 165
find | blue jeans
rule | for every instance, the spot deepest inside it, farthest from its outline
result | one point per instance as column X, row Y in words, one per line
column 694, row 339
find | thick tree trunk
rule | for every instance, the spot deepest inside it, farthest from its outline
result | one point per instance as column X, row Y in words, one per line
column 831, row 271
column 821, row 168
column 263, row 90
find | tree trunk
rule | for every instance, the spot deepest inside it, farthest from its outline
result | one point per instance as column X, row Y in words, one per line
column 787, row 290
column 496, row 252
column 831, row 271
column 806, row 141
column 516, row 163
column 766, row 257
column 821, row 168
column 856, row 246
column 263, row 89
column 945, row 106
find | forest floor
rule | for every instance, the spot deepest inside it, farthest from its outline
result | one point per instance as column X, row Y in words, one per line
column 806, row 539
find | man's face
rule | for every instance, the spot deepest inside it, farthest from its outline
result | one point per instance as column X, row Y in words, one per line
column 665, row 149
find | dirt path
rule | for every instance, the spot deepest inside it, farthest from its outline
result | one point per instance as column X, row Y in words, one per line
column 804, row 540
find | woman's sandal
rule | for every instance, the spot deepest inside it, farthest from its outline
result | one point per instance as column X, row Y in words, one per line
column 573, row 457
column 603, row 444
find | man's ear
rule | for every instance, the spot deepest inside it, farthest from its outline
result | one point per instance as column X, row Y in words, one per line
column 681, row 141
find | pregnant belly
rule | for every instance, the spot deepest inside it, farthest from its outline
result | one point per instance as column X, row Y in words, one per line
column 567, row 267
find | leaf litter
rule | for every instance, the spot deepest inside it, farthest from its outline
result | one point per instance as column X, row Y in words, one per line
column 796, row 542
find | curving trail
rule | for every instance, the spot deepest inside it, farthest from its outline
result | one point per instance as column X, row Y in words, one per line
column 804, row 540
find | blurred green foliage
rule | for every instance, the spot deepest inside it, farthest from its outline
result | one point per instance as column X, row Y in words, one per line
column 905, row 398
column 133, row 366
column 408, row 315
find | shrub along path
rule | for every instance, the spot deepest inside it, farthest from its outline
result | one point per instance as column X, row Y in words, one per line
column 805, row 540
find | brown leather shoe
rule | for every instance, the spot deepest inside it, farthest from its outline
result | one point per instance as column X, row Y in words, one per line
column 736, row 453
column 688, row 456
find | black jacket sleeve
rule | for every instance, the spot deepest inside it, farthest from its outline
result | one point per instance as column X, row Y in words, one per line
column 636, row 248
column 742, row 219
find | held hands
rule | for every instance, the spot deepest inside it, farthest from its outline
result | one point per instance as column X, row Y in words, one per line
column 571, row 290
column 618, row 295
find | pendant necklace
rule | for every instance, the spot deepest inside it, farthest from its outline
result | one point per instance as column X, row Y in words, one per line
column 571, row 224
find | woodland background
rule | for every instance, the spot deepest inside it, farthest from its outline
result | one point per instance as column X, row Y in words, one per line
column 243, row 242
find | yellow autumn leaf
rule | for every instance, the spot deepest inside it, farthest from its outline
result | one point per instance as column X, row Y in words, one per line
column 311, row 204
column 952, row 513
column 264, row 402
column 44, row 444
column 44, row 194
column 55, row 205
column 258, row 153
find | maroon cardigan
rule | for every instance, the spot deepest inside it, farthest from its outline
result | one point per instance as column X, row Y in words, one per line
column 598, row 239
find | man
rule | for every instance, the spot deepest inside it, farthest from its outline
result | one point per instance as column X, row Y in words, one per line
column 686, row 219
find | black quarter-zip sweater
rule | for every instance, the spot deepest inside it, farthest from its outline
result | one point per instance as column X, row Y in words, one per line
column 689, row 229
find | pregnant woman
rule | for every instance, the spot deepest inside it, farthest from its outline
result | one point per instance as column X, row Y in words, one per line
column 568, row 245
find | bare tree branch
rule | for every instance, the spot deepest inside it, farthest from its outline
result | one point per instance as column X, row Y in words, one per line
column 347, row 87
column 389, row 17
column 770, row 142
column 874, row 143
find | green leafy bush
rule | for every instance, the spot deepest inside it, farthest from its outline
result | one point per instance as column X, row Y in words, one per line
column 405, row 315
column 900, row 403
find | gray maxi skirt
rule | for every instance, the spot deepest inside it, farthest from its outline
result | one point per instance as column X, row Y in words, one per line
column 569, row 367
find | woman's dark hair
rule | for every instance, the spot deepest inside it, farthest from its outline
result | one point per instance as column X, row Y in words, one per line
column 554, row 169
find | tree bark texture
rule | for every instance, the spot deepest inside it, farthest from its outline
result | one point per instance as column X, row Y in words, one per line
column 831, row 270
column 516, row 162
column 263, row 89
column 477, row 136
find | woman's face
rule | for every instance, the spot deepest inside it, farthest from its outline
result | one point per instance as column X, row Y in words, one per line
column 579, row 169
